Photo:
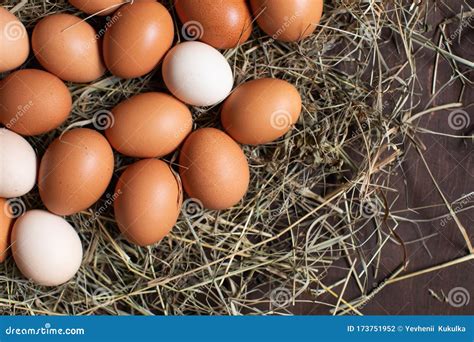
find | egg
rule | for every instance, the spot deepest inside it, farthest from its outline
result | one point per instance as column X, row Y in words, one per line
column 5, row 228
column 288, row 20
column 261, row 111
column 14, row 41
column 75, row 171
column 213, row 169
column 18, row 165
column 99, row 7
column 138, row 39
column 149, row 125
column 148, row 201
column 46, row 248
column 221, row 24
column 33, row 102
column 197, row 74
column 68, row 47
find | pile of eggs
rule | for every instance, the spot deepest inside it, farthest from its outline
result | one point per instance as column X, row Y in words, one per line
column 78, row 165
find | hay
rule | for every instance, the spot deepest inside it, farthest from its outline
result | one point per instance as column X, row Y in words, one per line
column 316, row 196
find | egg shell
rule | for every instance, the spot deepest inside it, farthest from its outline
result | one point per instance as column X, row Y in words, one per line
column 138, row 39
column 14, row 41
column 221, row 24
column 18, row 165
column 6, row 221
column 288, row 20
column 68, row 47
column 261, row 111
column 46, row 248
column 148, row 201
column 75, row 171
column 98, row 7
column 213, row 169
column 149, row 125
column 197, row 74
column 33, row 102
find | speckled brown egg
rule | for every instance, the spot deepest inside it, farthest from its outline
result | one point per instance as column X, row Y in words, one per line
column 148, row 201
column 6, row 220
column 149, row 125
column 138, row 39
column 33, row 102
column 261, row 111
column 75, row 171
column 213, row 169
column 99, row 7
column 222, row 24
column 287, row 20
column 14, row 41
column 68, row 47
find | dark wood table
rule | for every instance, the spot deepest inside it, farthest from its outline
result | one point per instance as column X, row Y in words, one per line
column 451, row 161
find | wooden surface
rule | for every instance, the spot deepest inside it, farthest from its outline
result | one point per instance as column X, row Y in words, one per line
column 451, row 162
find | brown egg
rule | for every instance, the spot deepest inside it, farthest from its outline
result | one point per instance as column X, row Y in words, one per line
column 149, row 125
column 33, row 102
column 75, row 171
column 288, row 20
column 137, row 41
column 148, row 201
column 99, row 7
column 213, row 169
column 261, row 111
column 6, row 221
column 14, row 42
column 221, row 24
column 68, row 47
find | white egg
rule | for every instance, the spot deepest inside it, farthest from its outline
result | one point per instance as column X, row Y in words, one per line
column 17, row 165
column 46, row 248
column 197, row 74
